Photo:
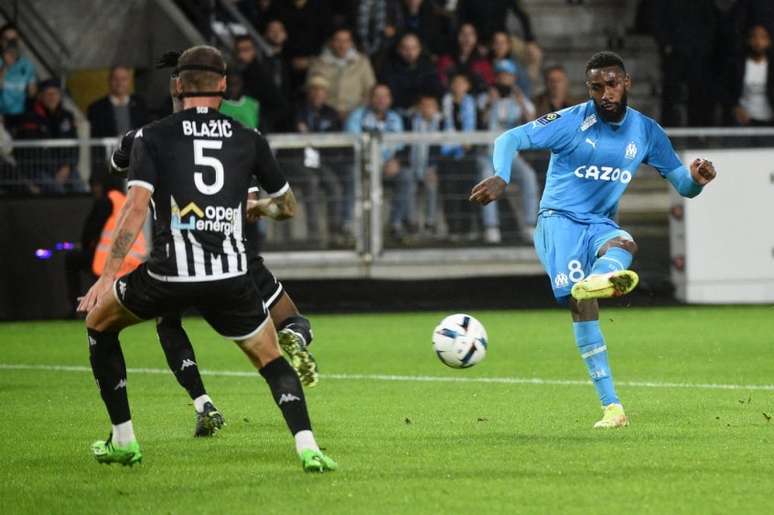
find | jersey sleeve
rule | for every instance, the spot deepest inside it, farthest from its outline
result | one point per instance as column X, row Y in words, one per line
column 142, row 166
column 661, row 155
column 552, row 131
column 119, row 160
column 267, row 171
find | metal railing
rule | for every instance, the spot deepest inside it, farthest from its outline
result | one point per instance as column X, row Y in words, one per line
column 320, row 243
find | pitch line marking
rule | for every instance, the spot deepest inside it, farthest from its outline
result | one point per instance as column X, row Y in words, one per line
column 424, row 379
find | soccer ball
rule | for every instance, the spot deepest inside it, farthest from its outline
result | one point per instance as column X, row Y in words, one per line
column 460, row 341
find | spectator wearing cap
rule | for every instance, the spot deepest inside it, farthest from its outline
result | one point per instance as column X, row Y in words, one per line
column 557, row 92
column 17, row 81
column 410, row 72
column 313, row 170
column 54, row 170
column 503, row 108
column 348, row 72
column 120, row 110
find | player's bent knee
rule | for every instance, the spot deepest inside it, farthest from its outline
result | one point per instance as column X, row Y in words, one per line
column 262, row 347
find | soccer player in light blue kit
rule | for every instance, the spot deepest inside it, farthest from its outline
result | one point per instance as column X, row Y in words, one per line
column 596, row 149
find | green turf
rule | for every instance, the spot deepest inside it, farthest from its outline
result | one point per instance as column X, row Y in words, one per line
column 407, row 446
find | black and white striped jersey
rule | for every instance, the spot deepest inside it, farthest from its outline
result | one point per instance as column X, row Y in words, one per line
column 199, row 164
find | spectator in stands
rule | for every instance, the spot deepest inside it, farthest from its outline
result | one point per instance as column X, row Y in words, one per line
column 313, row 170
column 17, row 81
column 10, row 182
column 348, row 72
column 467, row 59
column 422, row 18
column 490, row 16
column 686, row 34
column 423, row 157
column 259, row 84
column 457, row 166
column 557, row 91
column 502, row 49
column 54, row 170
column 242, row 108
column 259, row 12
column 749, row 13
column 378, row 117
column 507, row 107
column 409, row 72
column 373, row 30
column 308, row 22
column 274, row 59
column 751, row 89
column 120, row 110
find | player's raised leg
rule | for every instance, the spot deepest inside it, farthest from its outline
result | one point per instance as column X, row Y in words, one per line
column 593, row 351
column 610, row 275
column 107, row 363
column 182, row 361
column 263, row 351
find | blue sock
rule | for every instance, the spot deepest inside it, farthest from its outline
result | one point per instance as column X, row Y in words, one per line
column 613, row 260
column 593, row 350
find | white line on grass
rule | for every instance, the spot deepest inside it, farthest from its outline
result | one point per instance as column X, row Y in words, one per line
column 427, row 379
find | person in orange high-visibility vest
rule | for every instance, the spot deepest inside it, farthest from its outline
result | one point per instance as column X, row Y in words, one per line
column 136, row 254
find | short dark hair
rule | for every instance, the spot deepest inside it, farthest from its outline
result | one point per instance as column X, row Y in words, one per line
column 605, row 59
column 118, row 67
column 553, row 68
column 241, row 38
column 9, row 26
column 201, row 80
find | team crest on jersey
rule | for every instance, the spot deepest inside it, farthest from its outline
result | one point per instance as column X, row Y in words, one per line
column 588, row 122
column 631, row 150
column 548, row 118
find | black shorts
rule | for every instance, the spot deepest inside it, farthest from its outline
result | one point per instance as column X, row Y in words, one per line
column 268, row 285
column 233, row 307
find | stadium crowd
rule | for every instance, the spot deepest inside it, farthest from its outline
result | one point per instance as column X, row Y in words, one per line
column 403, row 66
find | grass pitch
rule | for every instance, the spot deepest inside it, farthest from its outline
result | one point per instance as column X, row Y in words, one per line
column 406, row 444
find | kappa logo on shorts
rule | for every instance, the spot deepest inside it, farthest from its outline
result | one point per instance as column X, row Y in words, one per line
column 561, row 280
column 92, row 342
column 548, row 118
column 187, row 363
column 122, row 289
column 121, row 384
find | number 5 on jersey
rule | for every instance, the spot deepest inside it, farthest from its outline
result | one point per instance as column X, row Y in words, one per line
column 200, row 145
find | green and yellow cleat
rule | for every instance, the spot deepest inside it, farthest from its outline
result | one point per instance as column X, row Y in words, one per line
column 613, row 417
column 105, row 451
column 604, row 286
column 316, row 461
column 300, row 358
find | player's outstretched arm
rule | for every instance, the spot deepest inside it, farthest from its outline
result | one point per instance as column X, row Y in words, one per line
column 277, row 208
column 689, row 182
column 129, row 225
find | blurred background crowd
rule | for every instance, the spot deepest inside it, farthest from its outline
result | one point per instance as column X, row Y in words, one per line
column 402, row 66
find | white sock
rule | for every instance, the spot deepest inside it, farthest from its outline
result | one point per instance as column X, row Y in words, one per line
column 123, row 434
column 305, row 440
column 199, row 402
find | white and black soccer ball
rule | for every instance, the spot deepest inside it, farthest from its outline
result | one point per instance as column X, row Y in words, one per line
column 460, row 341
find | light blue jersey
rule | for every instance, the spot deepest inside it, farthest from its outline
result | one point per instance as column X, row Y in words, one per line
column 592, row 161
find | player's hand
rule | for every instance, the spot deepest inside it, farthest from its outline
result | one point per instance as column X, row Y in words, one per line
column 489, row 189
column 702, row 171
column 259, row 208
column 95, row 294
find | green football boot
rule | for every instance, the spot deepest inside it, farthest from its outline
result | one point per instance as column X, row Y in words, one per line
column 105, row 451
column 316, row 461
column 300, row 358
